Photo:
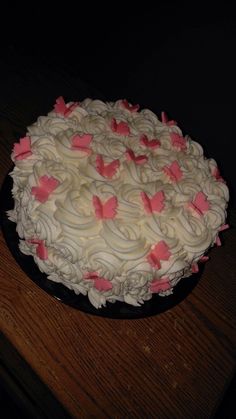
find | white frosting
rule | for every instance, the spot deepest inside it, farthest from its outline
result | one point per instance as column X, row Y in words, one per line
column 117, row 249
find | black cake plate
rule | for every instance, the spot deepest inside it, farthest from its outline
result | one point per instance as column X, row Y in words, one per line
column 117, row 310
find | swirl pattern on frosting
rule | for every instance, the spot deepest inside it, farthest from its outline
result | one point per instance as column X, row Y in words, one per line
column 117, row 248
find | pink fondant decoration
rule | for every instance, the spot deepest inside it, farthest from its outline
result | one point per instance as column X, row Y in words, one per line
column 101, row 284
column 106, row 170
column 217, row 175
column 164, row 120
column 131, row 108
column 130, row 156
column 61, row 108
column 155, row 203
column 200, row 203
column 204, row 259
column 159, row 252
column 121, row 127
column 41, row 250
column 81, row 142
column 173, row 171
column 106, row 210
column 91, row 275
column 195, row 268
column 22, row 150
column 224, row 227
column 149, row 143
column 46, row 186
column 178, row 141
column 218, row 241
column 158, row 285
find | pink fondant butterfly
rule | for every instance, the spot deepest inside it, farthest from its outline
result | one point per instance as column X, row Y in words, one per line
column 200, row 203
column 173, row 171
column 149, row 143
column 106, row 170
column 127, row 105
column 22, row 150
column 100, row 283
column 159, row 252
column 218, row 241
column 224, row 227
column 165, row 120
column 41, row 250
column 81, row 142
column 61, row 108
column 46, row 186
column 105, row 210
column 178, row 141
column 204, row 259
column 130, row 156
column 155, row 203
column 158, row 285
column 121, row 127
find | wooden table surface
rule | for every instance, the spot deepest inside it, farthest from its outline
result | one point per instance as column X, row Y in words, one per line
column 174, row 365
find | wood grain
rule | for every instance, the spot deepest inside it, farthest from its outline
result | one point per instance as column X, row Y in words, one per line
column 174, row 365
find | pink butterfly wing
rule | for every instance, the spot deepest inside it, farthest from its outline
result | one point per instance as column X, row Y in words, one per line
column 176, row 171
column 204, row 259
column 157, row 201
column 41, row 251
column 201, row 203
column 91, row 275
column 131, row 108
column 81, row 142
column 137, row 159
column 154, row 143
column 70, row 109
column 161, row 251
column 109, row 208
column 113, row 125
column 123, row 128
column 146, row 202
column 153, row 260
column 143, row 140
column 102, row 284
column 150, row 144
column 40, row 194
column 178, row 141
column 49, row 184
column 159, row 285
column 224, row 227
column 60, row 105
column 111, row 168
column 99, row 164
column 98, row 207
column 140, row 159
column 129, row 154
column 22, row 150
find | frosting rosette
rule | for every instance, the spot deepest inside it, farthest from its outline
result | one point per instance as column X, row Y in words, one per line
column 113, row 202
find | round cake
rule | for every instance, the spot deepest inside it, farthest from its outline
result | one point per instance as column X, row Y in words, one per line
column 113, row 202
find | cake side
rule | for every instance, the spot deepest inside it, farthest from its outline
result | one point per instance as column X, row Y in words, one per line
column 114, row 203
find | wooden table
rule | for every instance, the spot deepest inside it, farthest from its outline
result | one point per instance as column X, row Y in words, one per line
column 174, row 365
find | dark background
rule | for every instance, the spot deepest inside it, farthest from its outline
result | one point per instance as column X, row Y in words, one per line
column 172, row 56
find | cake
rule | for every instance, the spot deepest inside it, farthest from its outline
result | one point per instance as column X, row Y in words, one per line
column 114, row 203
